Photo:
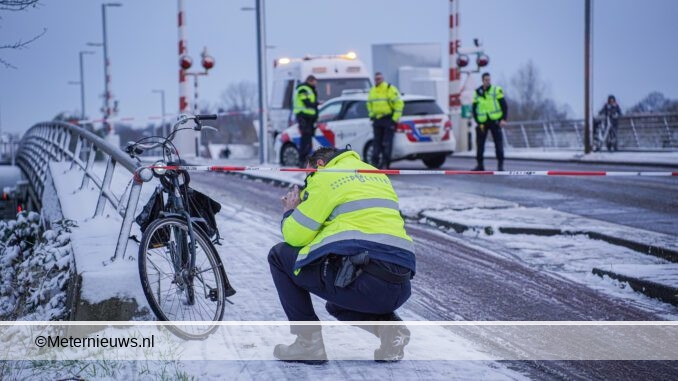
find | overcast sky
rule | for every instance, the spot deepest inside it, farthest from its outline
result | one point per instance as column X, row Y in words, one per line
column 634, row 46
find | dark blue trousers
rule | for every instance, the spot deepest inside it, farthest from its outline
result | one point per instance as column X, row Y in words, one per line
column 382, row 144
column 368, row 298
column 307, row 130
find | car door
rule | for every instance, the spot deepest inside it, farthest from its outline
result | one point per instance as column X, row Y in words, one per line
column 353, row 127
column 329, row 113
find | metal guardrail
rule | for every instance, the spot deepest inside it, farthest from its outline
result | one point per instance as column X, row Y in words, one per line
column 60, row 141
column 635, row 132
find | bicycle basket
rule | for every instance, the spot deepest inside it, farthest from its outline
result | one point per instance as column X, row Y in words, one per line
column 151, row 210
column 202, row 206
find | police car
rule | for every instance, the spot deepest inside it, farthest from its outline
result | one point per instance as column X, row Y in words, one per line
column 423, row 132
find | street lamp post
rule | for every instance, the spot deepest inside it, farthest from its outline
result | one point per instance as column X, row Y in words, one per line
column 588, row 118
column 162, row 105
column 261, row 77
column 107, row 78
column 82, row 84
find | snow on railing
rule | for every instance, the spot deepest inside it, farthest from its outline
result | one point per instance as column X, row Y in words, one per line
column 60, row 141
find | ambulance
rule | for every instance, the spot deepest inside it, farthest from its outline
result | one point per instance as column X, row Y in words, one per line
column 335, row 74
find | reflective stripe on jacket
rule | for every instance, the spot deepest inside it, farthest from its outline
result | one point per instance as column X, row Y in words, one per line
column 305, row 100
column 487, row 104
column 385, row 100
column 346, row 214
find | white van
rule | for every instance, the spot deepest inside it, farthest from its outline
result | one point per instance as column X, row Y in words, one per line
column 334, row 73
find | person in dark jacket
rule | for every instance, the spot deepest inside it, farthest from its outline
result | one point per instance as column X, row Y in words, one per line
column 610, row 114
column 306, row 113
column 490, row 112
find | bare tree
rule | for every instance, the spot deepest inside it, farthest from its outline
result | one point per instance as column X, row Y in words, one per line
column 655, row 102
column 18, row 5
column 240, row 96
column 528, row 97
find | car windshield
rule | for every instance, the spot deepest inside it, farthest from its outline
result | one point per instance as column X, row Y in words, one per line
column 332, row 88
column 423, row 107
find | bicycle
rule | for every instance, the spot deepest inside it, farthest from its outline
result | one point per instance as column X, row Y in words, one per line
column 604, row 135
column 181, row 272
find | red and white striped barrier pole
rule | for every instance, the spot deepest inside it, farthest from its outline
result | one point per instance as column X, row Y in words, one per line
column 183, row 85
column 219, row 168
column 455, row 76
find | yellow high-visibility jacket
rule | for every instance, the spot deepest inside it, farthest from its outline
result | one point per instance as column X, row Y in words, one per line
column 347, row 214
column 385, row 100
column 305, row 100
column 487, row 104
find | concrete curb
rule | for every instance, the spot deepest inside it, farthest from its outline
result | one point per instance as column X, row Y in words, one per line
column 662, row 292
column 643, row 248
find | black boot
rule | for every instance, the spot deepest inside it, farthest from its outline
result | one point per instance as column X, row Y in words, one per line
column 307, row 350
column 500, row 166
column 393, row 338
column 479, row 167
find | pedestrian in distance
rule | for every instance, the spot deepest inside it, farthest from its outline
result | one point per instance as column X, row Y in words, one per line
column 306, row 113
column 384, row 107
column 610, row 114
column 344, row 241
column 489, row 112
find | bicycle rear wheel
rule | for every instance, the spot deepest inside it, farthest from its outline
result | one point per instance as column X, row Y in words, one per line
column 173, row 293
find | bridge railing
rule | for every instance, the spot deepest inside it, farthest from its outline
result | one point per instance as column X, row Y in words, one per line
column 656, row 132
column 60, row 141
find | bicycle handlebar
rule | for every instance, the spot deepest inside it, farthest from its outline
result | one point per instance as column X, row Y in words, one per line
column 134, row 147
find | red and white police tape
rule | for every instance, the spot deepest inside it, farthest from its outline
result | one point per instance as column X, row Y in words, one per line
column 220, row 168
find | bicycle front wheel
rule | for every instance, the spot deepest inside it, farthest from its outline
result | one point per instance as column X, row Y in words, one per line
column 174, row 291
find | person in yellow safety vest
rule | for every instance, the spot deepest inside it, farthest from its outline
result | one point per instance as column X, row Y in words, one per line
column 384, row 107
column 490, row 112
column 306, row 113
column 345, row 242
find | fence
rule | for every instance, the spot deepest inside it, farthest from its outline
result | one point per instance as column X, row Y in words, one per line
column 635, row 132
column 60, row 141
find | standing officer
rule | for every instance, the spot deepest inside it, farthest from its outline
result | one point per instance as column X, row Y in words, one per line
column 490, row 112
column 385, row 108
column 345, row 241
column 306, row 112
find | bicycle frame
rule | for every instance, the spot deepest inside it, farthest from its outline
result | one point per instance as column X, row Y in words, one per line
column 176, row 202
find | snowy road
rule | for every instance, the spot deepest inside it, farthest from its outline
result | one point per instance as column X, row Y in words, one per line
column 457, row 280
column 647, row 203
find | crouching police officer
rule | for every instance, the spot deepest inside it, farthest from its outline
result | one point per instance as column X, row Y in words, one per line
column 345, row 242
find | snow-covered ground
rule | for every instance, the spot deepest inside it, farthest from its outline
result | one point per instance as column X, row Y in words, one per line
column 252, row 233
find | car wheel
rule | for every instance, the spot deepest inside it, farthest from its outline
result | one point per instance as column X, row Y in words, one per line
column 367, row 152
column 434, row 162
column 289, row 155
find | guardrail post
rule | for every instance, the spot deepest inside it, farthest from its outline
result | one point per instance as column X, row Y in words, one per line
column 127, row 220
column 91, row 155
column 576, row 131
column 547, row 135
column 105, row 185
column 554, row 137
column 635, row 134
column 527, row 141
column 668, row 132
column 62, row 143
column 76, row 154
column 68, row 136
